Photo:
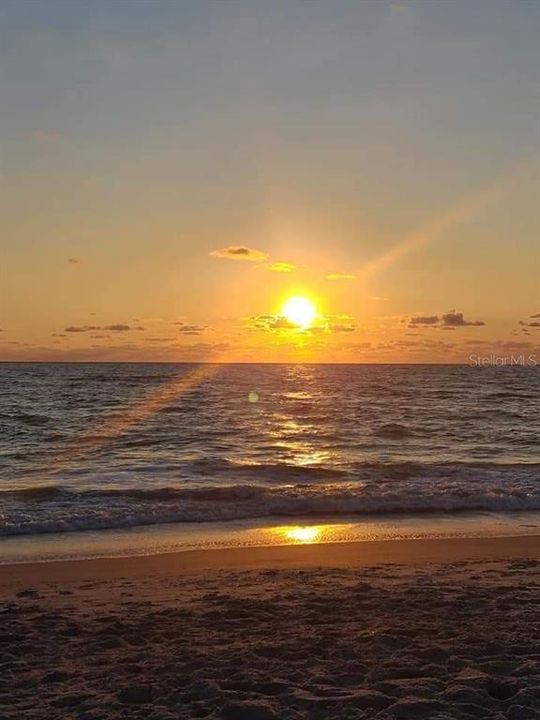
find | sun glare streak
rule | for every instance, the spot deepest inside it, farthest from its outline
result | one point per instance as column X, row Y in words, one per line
column 111, row 428
column 440, row 225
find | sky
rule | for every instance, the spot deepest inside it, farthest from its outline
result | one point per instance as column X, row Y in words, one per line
column 172, row 172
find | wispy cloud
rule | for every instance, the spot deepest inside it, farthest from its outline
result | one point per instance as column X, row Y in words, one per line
column 121, row 327
column 81, row 328
column 186, row 329
column 281, row 267
column 341, row 328
column 534, row 324
column 423, row 320
column 273, row 322
column 240, row 252
column 116, row 327
column 340, row 276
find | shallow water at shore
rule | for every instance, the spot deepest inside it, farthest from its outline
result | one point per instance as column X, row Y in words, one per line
column 174, row 537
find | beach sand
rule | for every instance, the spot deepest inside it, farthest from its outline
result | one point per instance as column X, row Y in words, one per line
column 393, row 629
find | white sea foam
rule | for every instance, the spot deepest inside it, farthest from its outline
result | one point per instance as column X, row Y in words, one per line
column 47, row 509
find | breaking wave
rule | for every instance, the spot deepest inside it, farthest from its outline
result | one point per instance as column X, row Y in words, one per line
column 407, row 489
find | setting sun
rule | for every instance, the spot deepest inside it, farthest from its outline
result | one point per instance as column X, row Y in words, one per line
column 299, row 311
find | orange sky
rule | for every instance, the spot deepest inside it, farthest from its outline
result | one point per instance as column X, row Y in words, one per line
column 171, row 175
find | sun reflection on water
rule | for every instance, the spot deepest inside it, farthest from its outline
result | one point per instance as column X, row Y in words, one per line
column 302, row 533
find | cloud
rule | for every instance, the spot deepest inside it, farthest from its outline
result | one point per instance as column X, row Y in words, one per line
column 423, row 320
column 535, row 324
column 342, row 328
column 81, row 328
column 455, row 319
column 190, row 328
column 273, row 322
column 73, row 261
column 239, row 252
column 121, row 327
column 378, row 298
column 447, row 321
column 282, row 267
column 186, row 329
column 324, row 326
column 116, row 327
column 281, row 323
column 340, row 276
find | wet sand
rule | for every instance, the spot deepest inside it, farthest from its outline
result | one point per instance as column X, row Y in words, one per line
column 434, row 629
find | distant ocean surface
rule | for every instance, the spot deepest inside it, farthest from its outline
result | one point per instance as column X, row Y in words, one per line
column 122, row 445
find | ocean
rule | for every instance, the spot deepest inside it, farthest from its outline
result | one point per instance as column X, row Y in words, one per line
column 95, row 447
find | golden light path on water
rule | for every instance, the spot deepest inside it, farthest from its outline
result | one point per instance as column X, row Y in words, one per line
column 300, row 534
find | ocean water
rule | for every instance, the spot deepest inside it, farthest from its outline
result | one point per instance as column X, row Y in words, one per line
column 111, row 446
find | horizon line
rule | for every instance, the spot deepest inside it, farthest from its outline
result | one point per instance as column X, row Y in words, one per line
column 234, row 362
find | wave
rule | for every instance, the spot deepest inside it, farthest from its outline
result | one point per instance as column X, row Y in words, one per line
column 65, row 509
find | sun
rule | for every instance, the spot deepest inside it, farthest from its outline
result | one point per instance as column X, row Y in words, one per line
column 299, row 311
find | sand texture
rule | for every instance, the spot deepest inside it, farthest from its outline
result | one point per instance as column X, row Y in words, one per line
column 453, row 639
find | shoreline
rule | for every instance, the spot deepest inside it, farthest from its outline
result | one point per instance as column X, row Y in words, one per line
column 317, row 555
column 166, row 538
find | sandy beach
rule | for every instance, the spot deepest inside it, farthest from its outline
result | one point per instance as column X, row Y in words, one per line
column 394, row 629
